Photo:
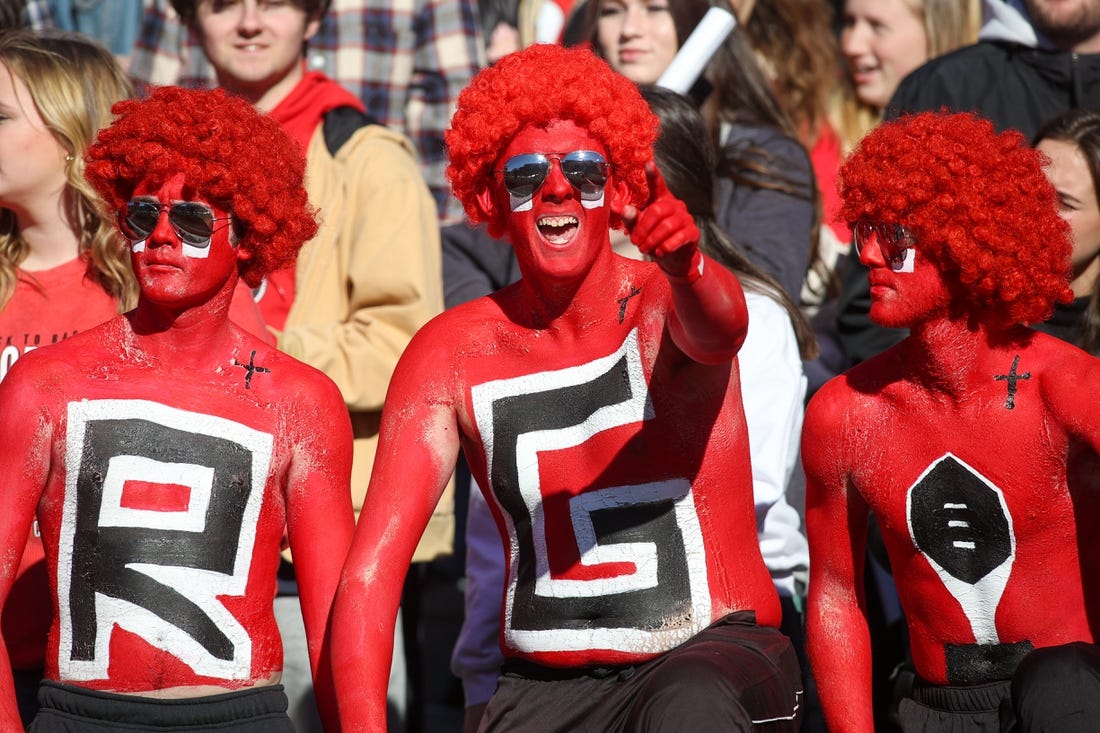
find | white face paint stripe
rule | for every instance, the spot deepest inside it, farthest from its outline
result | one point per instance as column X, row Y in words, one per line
column 594, row 204
column 198, row 253
column 189, row 250
column 907, row 263
column 521, row 203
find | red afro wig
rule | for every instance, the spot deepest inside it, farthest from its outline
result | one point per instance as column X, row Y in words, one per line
column 977, row 202
column 232, row 155
column 535, row 87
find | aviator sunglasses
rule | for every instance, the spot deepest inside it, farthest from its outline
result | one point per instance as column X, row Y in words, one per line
column 586, row 170
column 193, row 222
column 894, row 241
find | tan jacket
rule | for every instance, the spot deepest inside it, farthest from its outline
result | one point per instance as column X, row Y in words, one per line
column 369, row 279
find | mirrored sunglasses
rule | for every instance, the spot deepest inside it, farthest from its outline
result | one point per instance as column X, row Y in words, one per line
column 894, row 240
column 193, row 222
column 586, row 170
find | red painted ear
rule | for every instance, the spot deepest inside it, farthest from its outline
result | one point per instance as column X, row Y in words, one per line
column 483, row 201
column 488, row 211
column 618, row 199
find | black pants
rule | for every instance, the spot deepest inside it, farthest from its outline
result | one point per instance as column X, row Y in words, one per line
column 1053, row 690
column 70, row 709
column 1058, row 689
column 732, row 676
column 955, row 708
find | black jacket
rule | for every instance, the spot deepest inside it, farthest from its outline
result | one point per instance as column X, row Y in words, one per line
column 1011, row 84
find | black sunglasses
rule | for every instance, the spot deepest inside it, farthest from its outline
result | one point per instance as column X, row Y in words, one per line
column 193, row 222
column 894, row 240
column 586, row 170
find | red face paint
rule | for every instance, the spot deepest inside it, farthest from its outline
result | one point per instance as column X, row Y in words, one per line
column 900, row 298
column 171, row 272
column 557, row 237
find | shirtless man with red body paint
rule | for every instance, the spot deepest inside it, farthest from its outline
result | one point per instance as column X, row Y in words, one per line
column 167, row 452
column 973, row 443
column 598, row 399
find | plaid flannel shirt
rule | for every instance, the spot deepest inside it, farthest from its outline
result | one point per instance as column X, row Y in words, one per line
column 406, row 59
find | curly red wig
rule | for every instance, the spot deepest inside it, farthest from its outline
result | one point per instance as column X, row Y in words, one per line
column 534, row 87
column 235, row 157
column 978, row 204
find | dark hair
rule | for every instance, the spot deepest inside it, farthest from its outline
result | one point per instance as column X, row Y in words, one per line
column 186, row 9
column 796, row 41
column 11, row 16
column 688, row 164
column 1081, row 128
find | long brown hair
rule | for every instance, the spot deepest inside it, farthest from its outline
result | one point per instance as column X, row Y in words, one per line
column 737, row 92
column 797, row 47
column 688, row 164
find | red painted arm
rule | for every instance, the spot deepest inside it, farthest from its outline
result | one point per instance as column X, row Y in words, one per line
column 709, row 318
column 417, row 450
column 320, row 523
column 25, row 455
column 1077, row 374
column 836, row 521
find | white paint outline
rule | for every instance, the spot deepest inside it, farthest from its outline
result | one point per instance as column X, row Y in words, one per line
column 202, row 587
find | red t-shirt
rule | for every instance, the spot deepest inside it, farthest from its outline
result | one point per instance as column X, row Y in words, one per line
column 46, row 307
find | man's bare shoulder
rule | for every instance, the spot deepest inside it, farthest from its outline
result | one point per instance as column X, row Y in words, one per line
column 1051, row 351
column 861, row 388
column 469, row 322
column 277, row 375
column 1060, row 367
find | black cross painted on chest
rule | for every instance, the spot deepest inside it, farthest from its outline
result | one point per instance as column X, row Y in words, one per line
column 1012, row 377
column 626, row 299
column 250, row 368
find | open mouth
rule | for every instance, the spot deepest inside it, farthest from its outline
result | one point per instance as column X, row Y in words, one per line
column 863, row 72
column 558, row 229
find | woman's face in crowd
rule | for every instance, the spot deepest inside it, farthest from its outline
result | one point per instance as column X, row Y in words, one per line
column 637, row 37
column 1068, row 172
column 882, row 41
column 32, row 161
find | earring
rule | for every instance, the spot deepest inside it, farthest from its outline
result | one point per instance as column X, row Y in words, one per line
column 69, row 158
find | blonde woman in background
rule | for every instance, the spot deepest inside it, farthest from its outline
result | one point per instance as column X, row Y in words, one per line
column 63, row 267
column 882, row 41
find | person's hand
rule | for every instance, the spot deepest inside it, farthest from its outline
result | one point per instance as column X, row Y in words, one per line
column 664, row 229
